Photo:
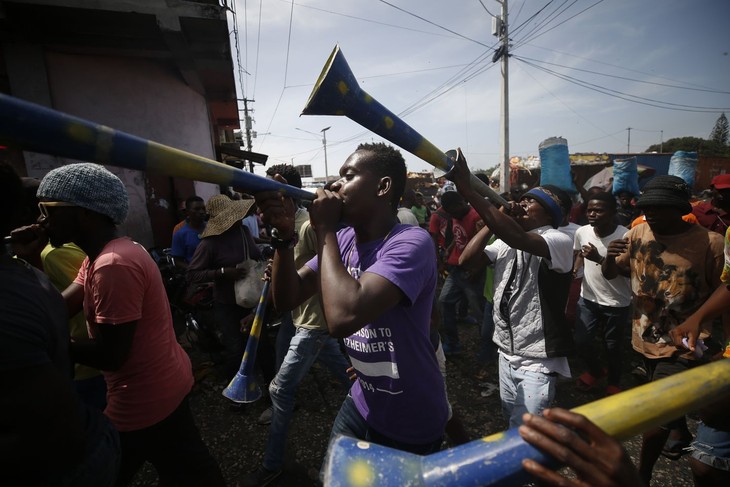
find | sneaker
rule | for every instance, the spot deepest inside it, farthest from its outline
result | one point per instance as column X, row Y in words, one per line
column 266, row 416
column 259, row 477
column 587, row 381
column 489, row 389
column 640, row 371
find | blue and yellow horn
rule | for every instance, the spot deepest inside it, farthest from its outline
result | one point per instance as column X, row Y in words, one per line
column 337, row 92
column 39, row 129
column 243, row 387
column 497, row 460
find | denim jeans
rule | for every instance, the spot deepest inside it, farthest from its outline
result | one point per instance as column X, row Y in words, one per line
column 283, row 337
column 306, row 346
column 589, row 315
column 524, row 391
column 350, row 423
column 458, row 286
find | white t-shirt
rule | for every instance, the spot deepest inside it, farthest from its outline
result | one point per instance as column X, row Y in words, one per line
column 596, row 288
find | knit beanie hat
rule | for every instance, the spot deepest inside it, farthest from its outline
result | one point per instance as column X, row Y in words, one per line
column 667, row 191
column 550, row 201
column 89, row 186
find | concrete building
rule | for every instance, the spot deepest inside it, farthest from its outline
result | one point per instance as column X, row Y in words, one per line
column 158, row 69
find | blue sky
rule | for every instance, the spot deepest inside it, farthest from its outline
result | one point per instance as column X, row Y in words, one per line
column 669, row 51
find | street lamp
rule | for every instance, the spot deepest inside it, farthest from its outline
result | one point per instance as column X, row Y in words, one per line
column 324, row 144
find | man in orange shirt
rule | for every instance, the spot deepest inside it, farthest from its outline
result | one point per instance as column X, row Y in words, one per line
column 121, row 292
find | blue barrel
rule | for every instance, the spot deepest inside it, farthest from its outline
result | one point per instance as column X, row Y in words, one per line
column 555, row 164
column 626, row 176
column 684, row 165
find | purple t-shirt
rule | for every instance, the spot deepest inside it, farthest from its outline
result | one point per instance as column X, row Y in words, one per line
column 400, row 390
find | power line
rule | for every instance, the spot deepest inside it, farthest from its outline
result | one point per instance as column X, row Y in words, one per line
column 626, row 78
column 258, row 50
column 522, row 25
column 563, row 22
column 605, row 63
column 288, row 44
column 624, row 96
column 559, row 10
column 564, row 104
column 485, row 8
column 368, row 20
column 434, row 24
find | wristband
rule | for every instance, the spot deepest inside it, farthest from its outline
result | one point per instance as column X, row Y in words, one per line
column 280, row 244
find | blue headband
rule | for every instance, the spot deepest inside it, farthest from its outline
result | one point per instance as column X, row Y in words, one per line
column 549, row 201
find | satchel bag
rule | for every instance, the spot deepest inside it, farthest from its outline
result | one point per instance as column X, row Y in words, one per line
column 248, row 290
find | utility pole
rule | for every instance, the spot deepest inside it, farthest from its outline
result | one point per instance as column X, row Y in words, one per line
column 499, row 29
column 661, row 142
column 628, row 145
column 324, row 143
column 247, row 125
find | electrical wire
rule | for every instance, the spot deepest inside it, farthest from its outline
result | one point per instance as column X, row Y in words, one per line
column 521, row 26
column 666, row 85
column 610, row 65
column 434, row 24
column 288, row 43
column 563, row 22
column 564, row 104
column 550, row 18
column 485, row 8
column 258, row 51
column 369, row 20
column 625, row 96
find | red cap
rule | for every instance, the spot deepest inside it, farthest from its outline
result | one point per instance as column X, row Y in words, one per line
column 721, row 182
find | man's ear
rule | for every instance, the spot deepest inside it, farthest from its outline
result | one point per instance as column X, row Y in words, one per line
column 385, row 185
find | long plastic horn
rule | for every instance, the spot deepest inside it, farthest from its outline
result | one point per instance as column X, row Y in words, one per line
column 243, row 387
column 497, row 460
column 337, row 93
column 39, row 129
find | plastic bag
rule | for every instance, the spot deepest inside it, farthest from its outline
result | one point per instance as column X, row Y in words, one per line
column 684, row 165
column 248, row 290
column 555, row 164
column 625, row 176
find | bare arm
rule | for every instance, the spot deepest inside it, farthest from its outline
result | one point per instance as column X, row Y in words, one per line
column 74, row 297
column 109, row 350
column 349, row 303
column 507, row 229
column 610, row 268
column 717, row 304
column 289, row 287
column 473, row 255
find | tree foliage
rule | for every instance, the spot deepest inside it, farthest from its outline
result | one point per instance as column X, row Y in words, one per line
column 720, row 131
column 701, row 146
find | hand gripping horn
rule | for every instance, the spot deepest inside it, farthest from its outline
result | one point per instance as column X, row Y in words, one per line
column 337, row 93
column 496, row 460
column 243, row 387
column 39, row 129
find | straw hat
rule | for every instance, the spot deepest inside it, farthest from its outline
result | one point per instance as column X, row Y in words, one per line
column 224, row 213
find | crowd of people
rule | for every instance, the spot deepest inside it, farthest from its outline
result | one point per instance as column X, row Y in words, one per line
column 372, row 283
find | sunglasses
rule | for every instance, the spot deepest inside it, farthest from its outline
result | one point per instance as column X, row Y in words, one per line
column 44, row 205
